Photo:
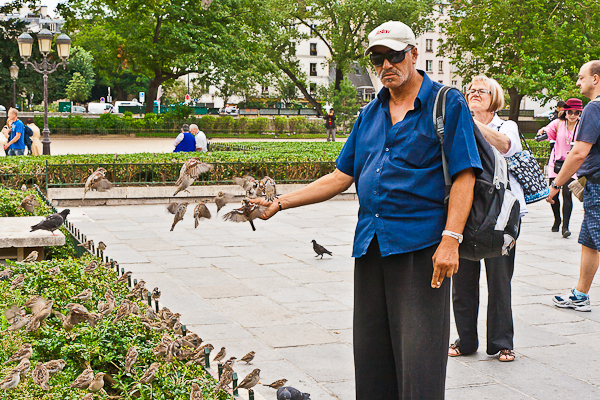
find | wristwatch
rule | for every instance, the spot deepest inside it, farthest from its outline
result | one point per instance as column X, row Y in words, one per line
column 553, row 185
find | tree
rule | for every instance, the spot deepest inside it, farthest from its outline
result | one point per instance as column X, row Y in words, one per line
column 79, row 88
column 345, row 102
column 532, row 47
column 286, row 89
column 173, row 92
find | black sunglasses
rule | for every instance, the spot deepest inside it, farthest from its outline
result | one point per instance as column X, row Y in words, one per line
column 377, row 59
column 574, row 112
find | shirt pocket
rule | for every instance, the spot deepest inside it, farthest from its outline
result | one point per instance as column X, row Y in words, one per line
column 419, row 149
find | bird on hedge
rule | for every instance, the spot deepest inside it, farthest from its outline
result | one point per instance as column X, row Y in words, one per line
column 109, row 296
column 267, row 188
column 190, row 170
column 84, row 295
column 52, row 222
column 41, row 376
column 55, row 366
column 221, row 199
column 247, row 212
column 248, row 357
column 277, row 384
column 201, row 211
column 24, row 352
column 31, row 257
column 5, row 274
column 97, row 383
column 23, row 187
column 97, row 181
column 150, row 372
column 250, row 380
column 83, row 380
column 19, row 323
column 29, row 203
column 181, row 209
column 87, row 244
column 91, row 267
column 320, row 250
column 248, row 183
column 14, row 313
column 53, row 271
column 131, row 358
column 40, row 316
column 35, row 303
column 89, row 396
column 123, row 311
column 11, row 380
column 290, row 393
column 17, row 282
column 196, row 393
column 23, row 367
column 124, row 278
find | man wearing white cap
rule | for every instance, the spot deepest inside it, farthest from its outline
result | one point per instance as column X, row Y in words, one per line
column 405, row 244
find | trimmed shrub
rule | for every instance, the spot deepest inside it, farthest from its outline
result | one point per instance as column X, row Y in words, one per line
column 280, row 124
column 259, row 125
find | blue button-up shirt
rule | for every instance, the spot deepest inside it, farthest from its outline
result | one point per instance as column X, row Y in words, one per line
column 397, row 170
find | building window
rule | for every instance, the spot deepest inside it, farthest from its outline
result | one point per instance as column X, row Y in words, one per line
column 428, row 44
column 440, row 66
column 454, row 83
column 313, row 49
column 265, row 89
column 313, row 69
column 313, row 88
column 428, row 66
column 453, row 68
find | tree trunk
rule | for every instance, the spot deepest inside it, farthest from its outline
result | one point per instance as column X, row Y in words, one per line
column 152, row 91
column 302, row 88
column 120, row 94
column 515, row 104
column 339, row 77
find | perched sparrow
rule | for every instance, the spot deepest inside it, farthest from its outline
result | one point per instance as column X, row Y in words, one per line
column 149, row 313
column 124, row 278
column 250, row 380
column 230, row 361
column 33, row 325
column 267, row 187
column 220, row 355
column 277, row 384
column 221, row 199
column 5, row 274
column 130, row 358
column 78, row 308
column 248, row 357
column 138, row 285
column 248, row 183
column 178, row 328
column 11, row 380
column 55, row 366
column 86, row 245
column 123, row 311
column 40, row 316
column 15, row 312
column 23, row 367
column 109, row 296
column 155, row 294
column 41, row 376
column 290, row 393
column 23, row 188
column 226, row 379
column 191, row 337
column 24, row 352
column 17, row 282
column 196, row 393
column 29, row 203
column 97, row 383
column 31, row 257
column 89, row 396
column 181, row 209
column 18, row 324
column 101, row 246
column 190, row 170
column 97, row 181
column 150, row 372
column 53, row 271
column 52, row 222
column 84, row 295
column 83, row 380
column 320, row 250
column 201, row 211
column 165, row 314
column 93, row 319
column 91, row 267
column 105, row 308
column 201, row 348
column 248, row 212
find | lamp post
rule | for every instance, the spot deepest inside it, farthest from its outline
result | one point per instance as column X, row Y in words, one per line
column 63, row 44
column 14, row 74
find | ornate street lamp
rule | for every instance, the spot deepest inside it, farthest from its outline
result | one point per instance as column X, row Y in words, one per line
column 14, row 74
column 63, row 44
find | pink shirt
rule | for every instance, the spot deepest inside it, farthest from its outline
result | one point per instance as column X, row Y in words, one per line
column 557, row 130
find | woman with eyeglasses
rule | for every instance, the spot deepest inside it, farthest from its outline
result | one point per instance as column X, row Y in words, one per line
column 485, row 97
column 563, row 131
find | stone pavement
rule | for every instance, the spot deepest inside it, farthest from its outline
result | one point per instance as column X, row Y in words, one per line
column 265, row 291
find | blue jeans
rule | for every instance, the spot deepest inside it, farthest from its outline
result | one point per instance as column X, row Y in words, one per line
column 15, row 152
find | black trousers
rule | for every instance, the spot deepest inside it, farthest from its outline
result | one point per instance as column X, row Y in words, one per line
column 401, row 326
column 465, row 301
column 567, row 205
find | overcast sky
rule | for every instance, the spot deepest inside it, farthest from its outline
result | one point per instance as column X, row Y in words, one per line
column 50, row 3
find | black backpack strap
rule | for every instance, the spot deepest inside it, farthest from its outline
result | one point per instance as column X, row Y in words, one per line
column 439, row 116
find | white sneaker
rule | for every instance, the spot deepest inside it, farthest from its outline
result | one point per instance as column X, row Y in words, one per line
column 571, row 301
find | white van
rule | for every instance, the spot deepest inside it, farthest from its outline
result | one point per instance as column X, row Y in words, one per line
column 125, row 104
column 99, row 108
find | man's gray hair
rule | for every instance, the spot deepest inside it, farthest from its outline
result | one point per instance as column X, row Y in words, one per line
column 194, row 127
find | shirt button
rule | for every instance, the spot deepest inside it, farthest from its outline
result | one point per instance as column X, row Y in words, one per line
column 387, row 149
column 378, row 169
column 376, row 215
column 374, row 191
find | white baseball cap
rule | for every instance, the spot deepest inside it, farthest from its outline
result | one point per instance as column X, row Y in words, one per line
column 392, row 34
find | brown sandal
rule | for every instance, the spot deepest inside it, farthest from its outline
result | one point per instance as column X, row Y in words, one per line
column 506, row 355
column 454, row 350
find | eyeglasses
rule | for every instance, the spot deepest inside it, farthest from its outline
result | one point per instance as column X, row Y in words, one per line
column 577, row 113
column 478, row 91
column 377, row 59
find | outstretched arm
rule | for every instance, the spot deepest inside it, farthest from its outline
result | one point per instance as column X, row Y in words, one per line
column 320, row 190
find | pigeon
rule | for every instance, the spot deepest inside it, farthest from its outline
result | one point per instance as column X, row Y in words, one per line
column 196, row 393
column 201, row 211
column 267, row 187
column 320, row 250
column 101, row 245
column 31, row 257
column 250, row 380
column 190, row 170
column 55, row 366
column 86, row 245
column 222, row 199
column 85, row 295
column 248, row 183
column 248, row 212
column 181, row 209
column 83, row 380
column 29, row 203
column 52, row 222
column 97, row 181
column 277, row 384
column 11, row 380
column 290, row 393
column 24, row 352
column 41, row 376
column 97, row 383
column 17, row 282
column 150, row 372
column 131, row 358
column 248, row 357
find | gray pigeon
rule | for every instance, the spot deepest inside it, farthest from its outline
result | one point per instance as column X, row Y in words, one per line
column 320, row 250
column 290, row 393
column 52, row 222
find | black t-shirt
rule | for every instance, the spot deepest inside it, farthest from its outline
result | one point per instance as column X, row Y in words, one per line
column 589, row 132
column 329, row 121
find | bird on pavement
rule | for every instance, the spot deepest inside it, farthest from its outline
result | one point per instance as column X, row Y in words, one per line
column 52, row 222
column 31, row 257
column 97, row 181
column 179, row 213
column 220, row 355
column 29, row 203
column 290, row 393
column 267, row 187
column 24, row 352
column 248, row 357
column 250, row 380
column 101, row 245
column 248, row 183
column 190, row 170
column 83, row 380
column 41, row 376
column 320, row 250
column 221, row 199
column 277, row 384
column 247, row 212
column 201, row 211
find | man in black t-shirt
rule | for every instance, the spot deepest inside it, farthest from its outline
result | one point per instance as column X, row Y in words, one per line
column 330, row 125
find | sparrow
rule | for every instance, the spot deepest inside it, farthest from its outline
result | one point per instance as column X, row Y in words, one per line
column 85, row 295
column 191, row 337
column 52, row 222
column 101, row 245
column 40, row 316
column 18, row 324
column 97, row 181
column 23, row 188
column 267, row 187
column 123, row 311
column 149, row 313
column 248, row 183
column 11, row 380
column 320, row 250
column 226, row 379
column 201, row 348
column 105, row 308
column 31, row 257
column 23, row 367
column 196, row 393
column 150, row 372
column 24, row 352
column 247, row 212
column 14, row 313
column 55, row 366
column 155, row 294
column 83, row 380
column 97, row 383
column 250, row 380
column 277, row 384
column 138, row 286
column 87, row 244
column 5, row 274
column 41, row 376
column 93, row 319
column 220, row 355
column 29, row 203
column 290, row 393
column 191, row 170
column 230, row 361
column 109, row 296
column 91, row 267
column 248, row 357
column 53, row 271
column 124, row 278
column 222, row 199
column 89, row 396
column 201, row 211
column 178, row 328
column 181, row 209
column 17, row 282
column 130, row 358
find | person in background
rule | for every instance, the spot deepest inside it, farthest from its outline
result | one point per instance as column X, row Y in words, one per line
column 4, row 138
column 36, row 146
column 563, row 131
column 201, row 143
column 185, row 141
column 16, row 142
column 559, row 107
column 330, row 125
